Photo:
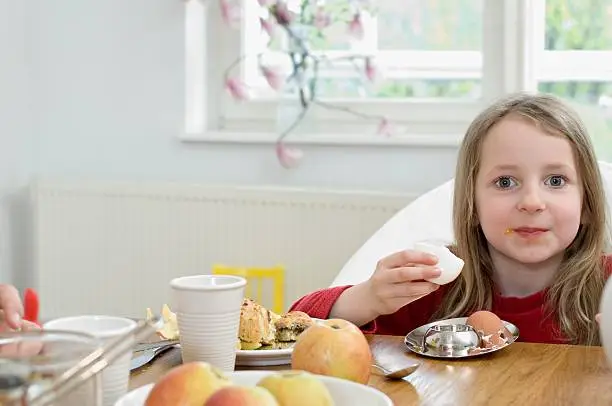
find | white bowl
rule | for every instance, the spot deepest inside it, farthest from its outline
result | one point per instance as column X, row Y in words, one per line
column 343, row 392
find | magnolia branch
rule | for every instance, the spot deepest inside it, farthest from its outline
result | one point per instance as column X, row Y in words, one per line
column 304, row 73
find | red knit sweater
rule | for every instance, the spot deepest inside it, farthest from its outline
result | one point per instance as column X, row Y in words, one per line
column 527, row 313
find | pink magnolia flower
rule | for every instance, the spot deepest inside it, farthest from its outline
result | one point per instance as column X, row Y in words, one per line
column 267, row 26
column 273, row 77
column 230, row 13
column 384, row 128
column 281, row 13
column 288, row 157
column 236, row 89
column 370, row 70
column 355, row 27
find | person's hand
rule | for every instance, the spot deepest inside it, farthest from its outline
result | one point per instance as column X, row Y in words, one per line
column 25, row 348
column 11, row 311
column 24, row 325
column 399, row 279
column 598, row 318
column 11, row 307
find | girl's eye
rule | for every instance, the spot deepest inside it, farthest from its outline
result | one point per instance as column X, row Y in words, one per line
column 505, row 182
column 556, row 181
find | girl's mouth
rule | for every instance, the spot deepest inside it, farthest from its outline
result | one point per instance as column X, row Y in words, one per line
column 529, row 232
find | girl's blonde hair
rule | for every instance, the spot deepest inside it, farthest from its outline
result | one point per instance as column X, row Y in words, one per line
column 573, row 298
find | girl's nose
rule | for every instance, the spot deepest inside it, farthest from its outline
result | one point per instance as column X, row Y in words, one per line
column 531, row 201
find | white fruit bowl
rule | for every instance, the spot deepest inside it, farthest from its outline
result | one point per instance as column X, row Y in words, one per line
column 343, row 392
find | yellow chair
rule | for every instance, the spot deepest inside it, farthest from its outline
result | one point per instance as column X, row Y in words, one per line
column 257, row 276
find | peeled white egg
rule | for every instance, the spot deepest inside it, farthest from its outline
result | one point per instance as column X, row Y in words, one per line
column 450, row 264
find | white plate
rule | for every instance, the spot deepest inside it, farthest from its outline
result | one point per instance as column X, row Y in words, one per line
column 343, row 392
column 258, row 358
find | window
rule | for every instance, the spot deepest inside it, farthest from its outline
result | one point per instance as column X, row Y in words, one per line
column 576, row 62
column 442, row 62
column 430, row 49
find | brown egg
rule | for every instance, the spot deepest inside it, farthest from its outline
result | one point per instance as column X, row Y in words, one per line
column 489, row 327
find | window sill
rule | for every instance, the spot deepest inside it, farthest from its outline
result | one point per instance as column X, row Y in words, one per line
column 413, row 140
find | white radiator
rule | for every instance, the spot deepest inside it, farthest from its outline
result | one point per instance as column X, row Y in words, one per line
column 112, row 248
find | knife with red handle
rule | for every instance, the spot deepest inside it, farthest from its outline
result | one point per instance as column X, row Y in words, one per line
column 31, row 306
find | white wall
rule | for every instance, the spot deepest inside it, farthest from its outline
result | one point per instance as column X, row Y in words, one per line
column 111, row 97
column 105, row 79
column 15, row 136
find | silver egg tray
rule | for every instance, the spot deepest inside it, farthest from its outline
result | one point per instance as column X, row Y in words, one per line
column 452, row 338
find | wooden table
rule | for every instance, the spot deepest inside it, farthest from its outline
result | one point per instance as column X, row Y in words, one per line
column 522, row 374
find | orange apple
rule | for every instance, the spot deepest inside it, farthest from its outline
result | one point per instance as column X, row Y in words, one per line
column 189, row 384
column 242, row 396
column 333, row 347
column 297, row 388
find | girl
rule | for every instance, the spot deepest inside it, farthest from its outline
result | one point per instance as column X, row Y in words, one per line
column 529, row 218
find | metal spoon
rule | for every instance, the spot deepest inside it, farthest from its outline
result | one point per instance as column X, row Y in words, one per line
column 398, row 373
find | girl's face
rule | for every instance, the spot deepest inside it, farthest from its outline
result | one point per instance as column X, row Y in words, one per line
column 528, row 192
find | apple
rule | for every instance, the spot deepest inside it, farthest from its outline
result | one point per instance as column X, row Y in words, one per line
column 242, row 396
column 189, row 384
column 297, row 388
column 333, row 347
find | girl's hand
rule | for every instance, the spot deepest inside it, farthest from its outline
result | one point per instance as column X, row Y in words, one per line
column 598, row 318
column 399, row 279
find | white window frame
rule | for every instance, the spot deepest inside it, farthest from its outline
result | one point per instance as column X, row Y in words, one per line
column 512, row 60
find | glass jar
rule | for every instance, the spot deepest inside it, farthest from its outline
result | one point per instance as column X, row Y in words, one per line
column 298, row 92
column 31, row 361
